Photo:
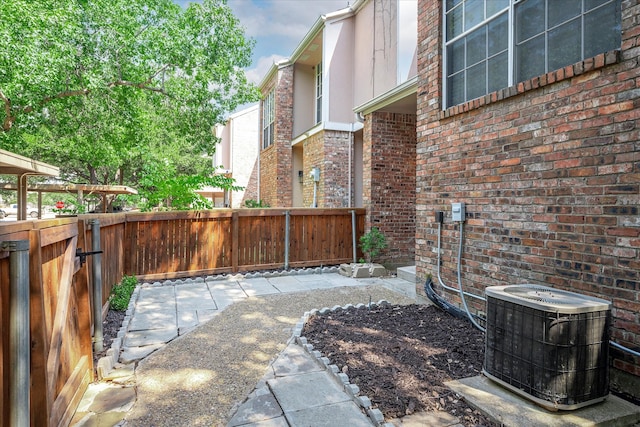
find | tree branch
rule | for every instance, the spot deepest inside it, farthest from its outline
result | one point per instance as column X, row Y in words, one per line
column 65, row 94
column 8, row 119
column 142, row 85
column 160, row 70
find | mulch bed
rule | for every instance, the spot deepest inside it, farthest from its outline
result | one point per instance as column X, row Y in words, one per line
column 401, row 356
column 110, row 327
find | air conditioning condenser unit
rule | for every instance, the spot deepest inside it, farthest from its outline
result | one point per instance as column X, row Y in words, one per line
column 548, row 345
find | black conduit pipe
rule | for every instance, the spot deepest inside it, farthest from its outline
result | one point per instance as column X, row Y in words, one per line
column 441, row 302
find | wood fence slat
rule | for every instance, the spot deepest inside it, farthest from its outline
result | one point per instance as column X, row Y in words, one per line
column 56, row 234
column 61, row 313
column 39, row 343
column 67, row 401
column 234, row 242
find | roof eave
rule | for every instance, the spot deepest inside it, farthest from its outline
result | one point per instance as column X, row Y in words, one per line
column 399, row 92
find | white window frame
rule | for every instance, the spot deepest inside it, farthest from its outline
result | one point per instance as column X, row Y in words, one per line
column 511, row 47
column 318, row 93
column 268, row 119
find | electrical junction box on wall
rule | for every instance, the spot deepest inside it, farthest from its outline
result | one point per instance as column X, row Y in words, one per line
column 457, row 212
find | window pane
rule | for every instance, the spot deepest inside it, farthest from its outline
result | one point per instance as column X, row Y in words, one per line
column 455, row 89
column 498, row 72
column 477, row 46
column 498, row 34
column 529, row 19
column 455, row 57
column 452, row 3
column 605, row 31
column 477, row 81
column 454, row 23
column 590, row 4
column 565, row 45
column 561, row 11
column 495, row 6
column 530, row 59
column 473, row 13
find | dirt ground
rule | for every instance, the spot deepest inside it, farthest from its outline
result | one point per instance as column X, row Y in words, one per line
column 110, row 328
column 400, row 356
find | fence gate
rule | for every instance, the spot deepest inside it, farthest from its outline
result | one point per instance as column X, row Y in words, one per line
column 61, row 361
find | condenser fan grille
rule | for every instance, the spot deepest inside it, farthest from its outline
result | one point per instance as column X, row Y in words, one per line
column 542, row 294
column 548, row 345
column 546, row 298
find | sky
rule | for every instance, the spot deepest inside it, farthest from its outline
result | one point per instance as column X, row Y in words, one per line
column 277, row 26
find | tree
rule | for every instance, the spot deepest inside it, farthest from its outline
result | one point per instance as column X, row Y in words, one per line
column 106, row 87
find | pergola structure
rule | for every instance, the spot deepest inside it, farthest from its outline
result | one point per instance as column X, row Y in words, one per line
column 80, row 189
column 23, row 167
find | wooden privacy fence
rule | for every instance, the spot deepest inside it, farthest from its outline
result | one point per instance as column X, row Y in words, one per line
column 181, row 244
column 56, row 277
column 46, row 359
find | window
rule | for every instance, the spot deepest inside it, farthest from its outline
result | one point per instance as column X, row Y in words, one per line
column 268, row 118
column 493, row 44
column 319, row 93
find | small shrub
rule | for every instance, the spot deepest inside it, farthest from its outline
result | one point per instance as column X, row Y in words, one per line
column 372, row 243
column 121, row 293
column 250, row 203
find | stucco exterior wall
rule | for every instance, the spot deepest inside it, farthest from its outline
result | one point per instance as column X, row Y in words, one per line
column 375, row 50
column 303, row 98
column 245, row 145
column 338, row 71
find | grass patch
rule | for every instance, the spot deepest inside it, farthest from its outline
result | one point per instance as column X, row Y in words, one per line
column 121, row 293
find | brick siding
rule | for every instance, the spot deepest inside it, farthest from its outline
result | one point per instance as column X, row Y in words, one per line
column 389, row 165
column 550, row 173
column 329, row 151
column 276, row 185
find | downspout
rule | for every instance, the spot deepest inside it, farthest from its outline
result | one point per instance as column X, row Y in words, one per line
column 259, row 152
column 228, row 195
column 351, row 168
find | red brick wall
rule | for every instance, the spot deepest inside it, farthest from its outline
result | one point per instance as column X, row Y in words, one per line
column 329, row 151
column 389, row 175
column 276, row 186
column 550, row 173
column 313, row 156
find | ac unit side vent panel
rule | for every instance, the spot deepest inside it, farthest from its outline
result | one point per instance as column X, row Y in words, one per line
column 557, row 358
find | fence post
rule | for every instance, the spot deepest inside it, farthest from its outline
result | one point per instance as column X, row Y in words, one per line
column 96, row 270
column 353, row 235
column 286, row 239
column 234, row 241
column 19, row 333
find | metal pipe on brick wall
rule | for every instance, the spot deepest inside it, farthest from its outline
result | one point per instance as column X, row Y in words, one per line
column 19, row 333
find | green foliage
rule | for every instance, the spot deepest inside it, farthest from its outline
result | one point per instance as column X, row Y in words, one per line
column 179, row 192
column 372, row 243
column 121, row 293
column 250, row 203
column 120, row 91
